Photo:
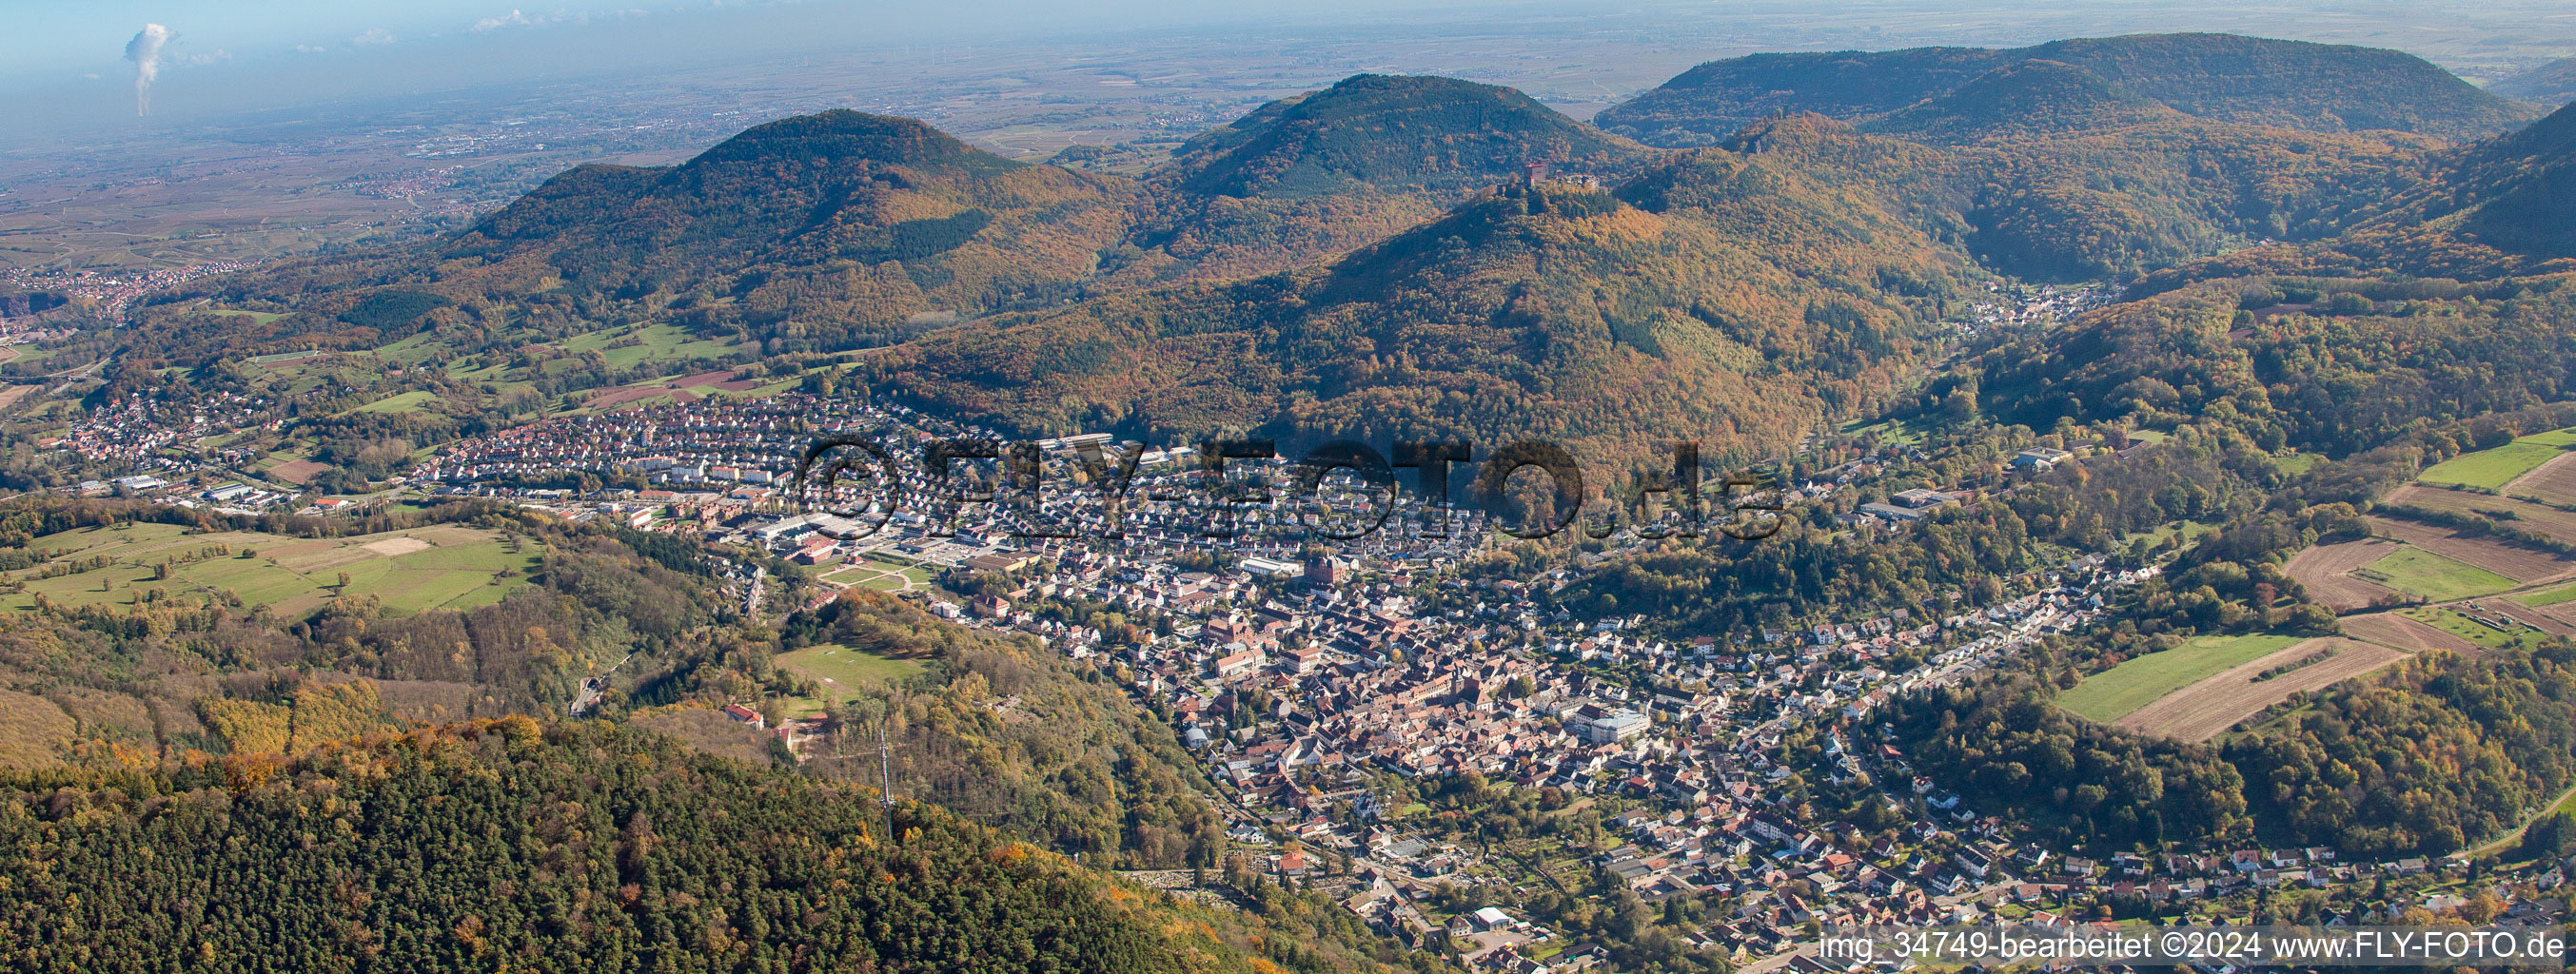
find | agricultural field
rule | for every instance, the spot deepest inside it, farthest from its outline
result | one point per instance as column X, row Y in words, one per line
column 2553, row 596
column 685, row 389
column 2550, row 620
column 2525, row 565
column 2326, row 572
column 2459, row 624
column 2544, row 519
column 2553, row 482
column 292, row 471
column 2113, row 694
column 2489, row 469
column 2399, row 632
column 2416, row 571
column 2208, row 708
column 436, row 567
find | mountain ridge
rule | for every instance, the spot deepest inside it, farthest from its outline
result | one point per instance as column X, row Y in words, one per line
column 2223, row 77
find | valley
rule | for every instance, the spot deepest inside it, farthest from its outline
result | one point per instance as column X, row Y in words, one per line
column 2120, row 478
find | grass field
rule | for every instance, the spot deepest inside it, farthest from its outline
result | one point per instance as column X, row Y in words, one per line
column 1892, row 431
column 2563, row 593
column 258, row 317
column 841, row 670
column 409, row 402
column 420, row 349
column 2108, row 696
column 2416, row 571
column 441, row 566
column 2491, row 469
column 655, row 343
column 2295, row 464
column 881, row 577
column 2453, row 622
column 2190, row 531
column 305, row 372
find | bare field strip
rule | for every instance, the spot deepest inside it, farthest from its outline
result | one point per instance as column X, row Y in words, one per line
column 2518, row 612
column 2208, row 708
column 2391, row 629
column 2554, row 481
column 2524, row 565
column 2547, row 520
column 2564, row 613
column 296, row 471
column 2325, row 571
column 402, row 545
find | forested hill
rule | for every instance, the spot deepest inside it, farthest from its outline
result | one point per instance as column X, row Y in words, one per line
column 2519, row 192
column 2030, row 97
column 844, row 229
column 2498, row 208
column 512, row 845
column 856, row 219
column 1387, row 132
column 2223, row 77
column 1308, row 177
column 2553, row 83
column 1730, row 296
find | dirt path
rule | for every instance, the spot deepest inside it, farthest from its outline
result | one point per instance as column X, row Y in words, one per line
column 2510, row 838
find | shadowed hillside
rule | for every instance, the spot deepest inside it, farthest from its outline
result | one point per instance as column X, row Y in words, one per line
column 2222, row 77
column 2553, row 83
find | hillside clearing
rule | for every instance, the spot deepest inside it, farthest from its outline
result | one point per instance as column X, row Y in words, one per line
column 2107, row 696
column 2208, row 708
column 2416, row 571
column 439, row 566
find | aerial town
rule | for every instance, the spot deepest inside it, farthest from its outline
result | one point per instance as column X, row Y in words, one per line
column 1320, row 684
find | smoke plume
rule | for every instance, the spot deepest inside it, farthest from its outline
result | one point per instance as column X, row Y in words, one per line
column 145, row 51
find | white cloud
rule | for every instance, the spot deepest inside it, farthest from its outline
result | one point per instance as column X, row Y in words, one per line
column 373, row 35
column 219, row 54
column 309, row 49
column 496, row 23
column 522, row 18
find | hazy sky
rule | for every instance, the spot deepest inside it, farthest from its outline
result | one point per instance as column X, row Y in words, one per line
column 62, row 39
column 50, row 37
column 68, row 59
